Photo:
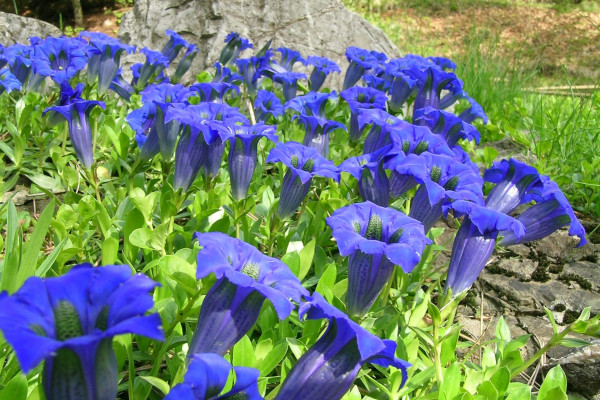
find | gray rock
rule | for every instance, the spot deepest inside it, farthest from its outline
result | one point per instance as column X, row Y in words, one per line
column 17, row 29
column 312, row 27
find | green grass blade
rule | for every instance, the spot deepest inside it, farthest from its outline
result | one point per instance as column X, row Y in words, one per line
column 12, row 254
column 45, row 266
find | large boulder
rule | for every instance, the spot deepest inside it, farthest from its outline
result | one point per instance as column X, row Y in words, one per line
column 17, row 29
column 312, row 27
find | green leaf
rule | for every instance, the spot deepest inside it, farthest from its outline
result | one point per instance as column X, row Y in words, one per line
column 11, row 263
column 144, row 203
column 16, row 389
column 451, row 384
column 306, row 258
column 518, row 391
column 327, row 281
column 151, row 239
column 573, row 342
column 554, row 384
column 434, row 312
column 502, row 330
column 268, row 364
column 501, row 380
column 46, row 182
column 292, row 260
column 243, row 353
column 34, row 245
column 157, row 383
column 104, row 220
column 550, row 316
column 48, row 261
column 487, row 390
column 110, row 249
column 134, row 220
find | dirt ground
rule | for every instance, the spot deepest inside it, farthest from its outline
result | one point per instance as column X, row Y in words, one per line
column 106, row 21
column 540, row 36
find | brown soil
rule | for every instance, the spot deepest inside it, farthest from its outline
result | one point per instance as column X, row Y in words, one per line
column 106, row 21
column 539, row 36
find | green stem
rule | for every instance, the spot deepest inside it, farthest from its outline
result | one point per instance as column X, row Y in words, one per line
column 439, row 372
column 555, row 341
column 183, row 315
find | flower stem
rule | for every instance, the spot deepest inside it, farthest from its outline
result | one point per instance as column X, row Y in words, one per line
column 555, row 341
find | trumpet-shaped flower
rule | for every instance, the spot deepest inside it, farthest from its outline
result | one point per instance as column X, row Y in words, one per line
column 234, row 44
column 143, row 123
column 322, row 67
column 312, row 104
column 516, row 183
column 376, row 239
column 446, row 124
column 328, row 368
column 69, row 322
column 224, row 74
column 245, row 278
column 60, row 58
column 267, row 105
column 185, row 63
column 475, row 242
column 368, row 169
column 473, row 112
column 358, row 99
column 302, row 164
column 214, row 91
column 431, row 80
column 401, row 86
column 77, row 113
column 174, row 45
column 121, row 87
column 243, row 155
column 290, row 57
column 289, row 80
column 317, row 132
column 380, row 124
column 104, row 57
column 8, row 82
column 252, row 69
column 361, row 61
column 206, row 377
column 150, row 71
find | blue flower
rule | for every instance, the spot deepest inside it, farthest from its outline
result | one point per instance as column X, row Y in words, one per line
column 549, row 214
column 401, row 85
column 443, row 179
column 317, row 131
column 419, row 139
column 60, row 58
column 206, row 377
column 376, row 239
column 322, row 67
column 368, row 169
column 143, row 123
column 121, row 87
column 104, row 58
column 243, row 155
column 267, row 105
column 376, row 82
column 252, row 69
column 18, row 57
column 473, row 112
column 245, row 278
column 214, row 91
column 330, row 366
column 516, row 183
column 8, row 82
column 302, row 164
column 381, row 124
column 224, row 74
column 77, row 113
column 446, row 124
column 312, row 104
column 431, row 80
column 475, row 242
column 290, row 57
column 174, row 45
column 289, row 80
column 234, row 45
column 360, row 61
column 185, row 63
column 150, row 71
column 69, row 322
column 358, row 99
column 443, row 63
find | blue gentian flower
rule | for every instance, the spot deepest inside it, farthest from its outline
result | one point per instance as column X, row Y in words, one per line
column 330, row 366
column 104, row 57
column 174, row 45
column 151, row 70
column 77, row 113
column 360, row 61
column 381, row 124
column 473, row 112
column 446, row 124
column 245, row 278
column 454, row 92
column 60, row 58
column 430, row 83
column 368, row 169
column 69, row 322
column 317, row 132
column 313, row 103
column 419, row 139
column 143, row 123
column 376, row 82
column 121, row 87
column 549, row 214
column 243, row 155
column 224, row 74
column 516, row 183
column 401, row 85
column 207, row 376
column 290, row 57
column 8, row 82
column 376, row 239
column 443, row 63
column 162, row 95
column 185, row 63
column 359, row 98
column 267, row 105
column 322, row 67
column 289, row 80
column 252, row 69
column 302, row 164
column 443, row 179
column 68, row 94
column 214, row 91
column 234, row 45
column 475, row 242
column 18, row 57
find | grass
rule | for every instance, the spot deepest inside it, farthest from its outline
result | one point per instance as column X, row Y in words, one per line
column 561, row 133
